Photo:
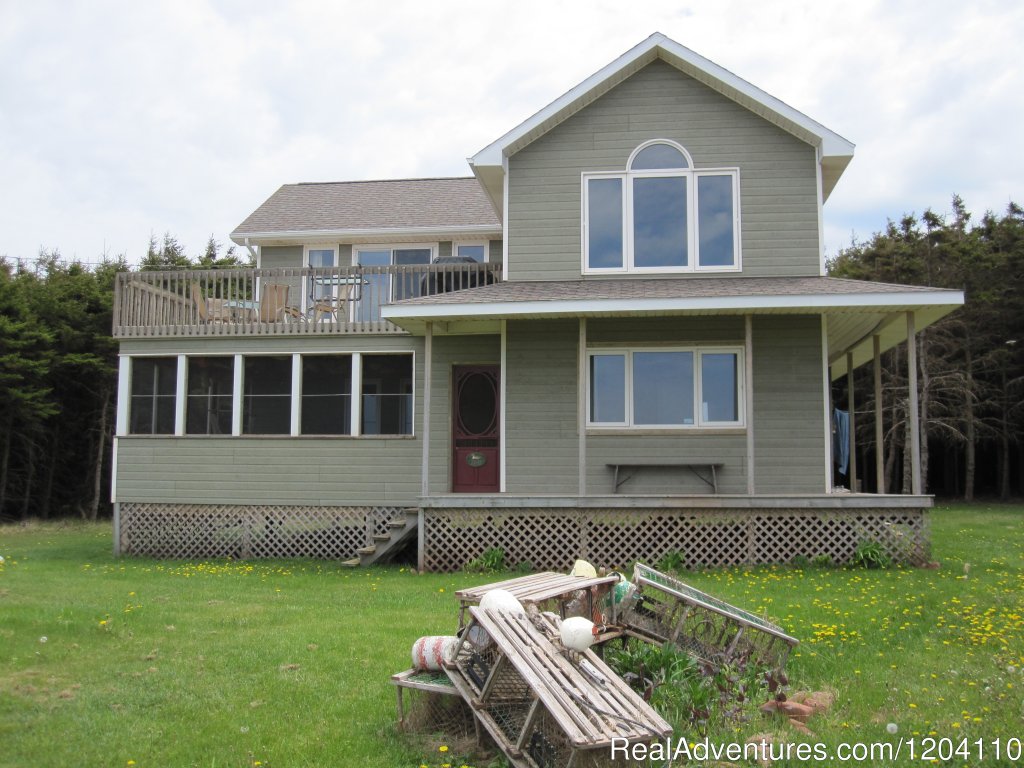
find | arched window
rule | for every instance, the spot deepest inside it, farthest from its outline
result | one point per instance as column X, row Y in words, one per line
column 661, row 214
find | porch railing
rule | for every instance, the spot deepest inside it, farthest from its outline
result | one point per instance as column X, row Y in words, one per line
column 239, row 302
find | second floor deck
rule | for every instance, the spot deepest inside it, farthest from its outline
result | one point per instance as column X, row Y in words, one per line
column 290, row 301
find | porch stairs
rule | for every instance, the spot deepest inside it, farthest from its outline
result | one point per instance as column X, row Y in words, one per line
column 386, row 545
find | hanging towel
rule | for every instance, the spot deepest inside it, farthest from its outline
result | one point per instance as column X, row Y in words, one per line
column 841, row 439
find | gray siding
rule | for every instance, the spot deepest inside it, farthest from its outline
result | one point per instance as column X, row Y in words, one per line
column 444, row 248
column 789, row 439
column 778, row 192
column 541, row 438
column 495, row 251
column 280, row 257
column 278, row 469
column 450, row 351
column 246, row 470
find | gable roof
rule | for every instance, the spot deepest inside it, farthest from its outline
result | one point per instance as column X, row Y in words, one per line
column 372, row 208
column 836, row 152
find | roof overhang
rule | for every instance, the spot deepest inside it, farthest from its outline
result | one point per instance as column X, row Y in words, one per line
column 377, row 235
column 835, row 152
column 851, row 320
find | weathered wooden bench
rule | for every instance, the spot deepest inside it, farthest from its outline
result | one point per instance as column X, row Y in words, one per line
column 695, row 467
column 542, row 705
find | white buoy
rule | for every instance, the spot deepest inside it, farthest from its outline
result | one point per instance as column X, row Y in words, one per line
column 431, row 653
column 501, row 600
column 577, row 633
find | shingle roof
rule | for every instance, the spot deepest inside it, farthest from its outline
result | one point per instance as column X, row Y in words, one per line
column 366, row 205
column 661, row 288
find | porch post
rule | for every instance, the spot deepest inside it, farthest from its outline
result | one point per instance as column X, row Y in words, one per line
column 853, row 424
column 581, row 405
column 502, row 398
column 915, row 426
column 827, row 404
column 428, row 369
column 748, row 390
column 879, row 427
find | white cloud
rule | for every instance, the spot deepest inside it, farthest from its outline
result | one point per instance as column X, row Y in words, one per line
column 124, row 118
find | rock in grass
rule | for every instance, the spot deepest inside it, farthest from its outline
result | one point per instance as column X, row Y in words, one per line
column 789, row 709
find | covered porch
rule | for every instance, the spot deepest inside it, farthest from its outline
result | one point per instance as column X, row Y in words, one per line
column 757, row 490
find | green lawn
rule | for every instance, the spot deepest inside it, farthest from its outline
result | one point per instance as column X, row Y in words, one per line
column 108, row 662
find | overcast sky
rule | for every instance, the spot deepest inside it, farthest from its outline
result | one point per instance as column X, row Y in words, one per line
column 121, row 119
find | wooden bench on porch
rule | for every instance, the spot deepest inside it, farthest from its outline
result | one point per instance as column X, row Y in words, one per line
column 711, row 470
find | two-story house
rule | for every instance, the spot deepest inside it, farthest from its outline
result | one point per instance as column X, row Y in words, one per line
column 615, row 340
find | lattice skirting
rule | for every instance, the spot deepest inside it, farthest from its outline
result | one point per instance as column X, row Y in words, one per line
column 249, row 531
column 551, row 539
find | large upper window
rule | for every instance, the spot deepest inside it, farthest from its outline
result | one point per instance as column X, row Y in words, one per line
column 650, row 388
column 661, row 215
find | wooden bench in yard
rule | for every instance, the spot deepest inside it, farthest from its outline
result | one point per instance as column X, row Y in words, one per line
column 711, row 478
column 542, row 705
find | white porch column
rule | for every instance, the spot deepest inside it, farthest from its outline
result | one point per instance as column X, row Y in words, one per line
column 428, row 369
column 748, row 396
column 879, row 427
column 826, row 383
column 581, row 405
column 852, row 476
column 915, row 426
column 503, row 388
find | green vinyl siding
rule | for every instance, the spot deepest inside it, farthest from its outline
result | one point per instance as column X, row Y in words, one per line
column 729, row 450
column 778, row 189
column 789, row 436
column 541, row 437
column 495, row 254
column 245, row 470
column 280, row 256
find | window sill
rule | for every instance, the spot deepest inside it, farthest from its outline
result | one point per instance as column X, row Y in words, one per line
column 270, row 437
column 673, row 431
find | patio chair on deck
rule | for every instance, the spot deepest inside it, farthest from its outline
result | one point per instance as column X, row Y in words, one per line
column 334, row 304
column 273, row 307
column 209, row 310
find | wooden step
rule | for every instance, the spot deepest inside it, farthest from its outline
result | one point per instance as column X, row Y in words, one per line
column 382, row 537
column 353, row 563
column 367, row 550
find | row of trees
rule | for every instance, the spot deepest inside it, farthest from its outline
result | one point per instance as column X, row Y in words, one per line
column 58, row 378
column 971, row 363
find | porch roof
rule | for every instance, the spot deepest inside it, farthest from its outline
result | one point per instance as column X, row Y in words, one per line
column 855, row 310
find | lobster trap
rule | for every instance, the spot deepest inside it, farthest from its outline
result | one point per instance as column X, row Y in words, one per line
column 543, row 706
column 429, row 705
column 565, row 595
column 666, row 610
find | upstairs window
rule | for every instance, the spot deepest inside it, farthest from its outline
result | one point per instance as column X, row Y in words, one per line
column 661, row 215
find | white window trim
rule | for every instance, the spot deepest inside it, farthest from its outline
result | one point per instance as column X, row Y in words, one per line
column 393, row 247
column 699, row 423
column 238, row 394
column 319, row 247
column 691, row 174
column 485, row 243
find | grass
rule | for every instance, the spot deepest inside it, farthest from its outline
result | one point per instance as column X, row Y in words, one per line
column 108, row 662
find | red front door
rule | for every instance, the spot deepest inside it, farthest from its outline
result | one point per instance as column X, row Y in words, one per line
column 475, row 422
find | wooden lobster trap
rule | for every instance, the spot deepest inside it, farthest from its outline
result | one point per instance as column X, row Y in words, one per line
column 665, row 609
column 565, row 595
column 545, row 707
column 428, row 704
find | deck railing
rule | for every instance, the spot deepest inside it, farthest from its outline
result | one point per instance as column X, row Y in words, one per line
column 238, row 302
